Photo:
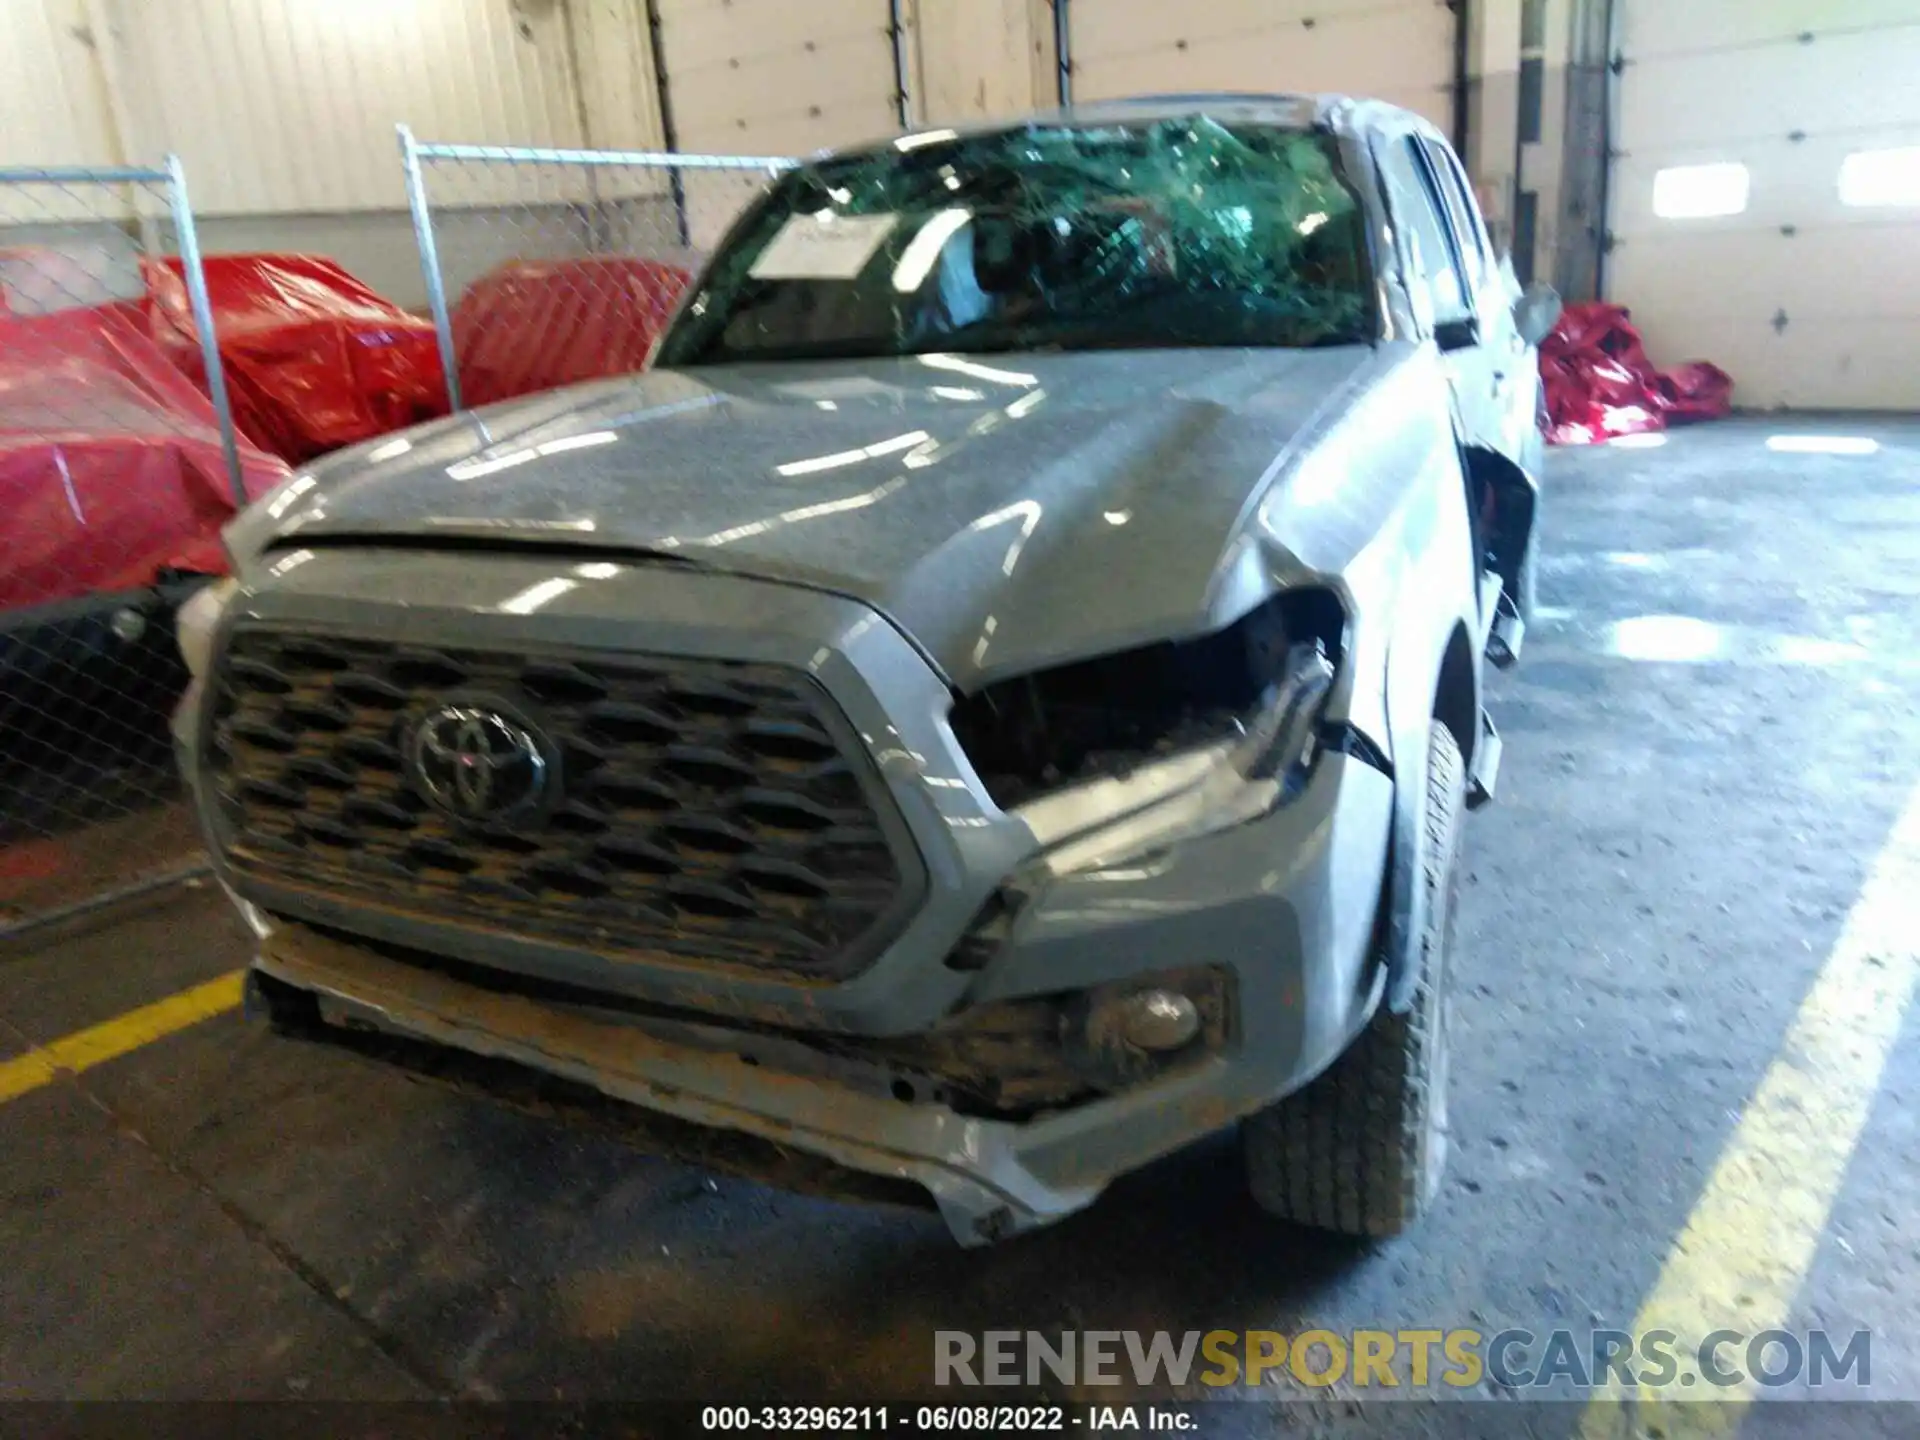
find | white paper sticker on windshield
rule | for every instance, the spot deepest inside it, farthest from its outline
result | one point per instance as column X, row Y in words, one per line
column 811, row 248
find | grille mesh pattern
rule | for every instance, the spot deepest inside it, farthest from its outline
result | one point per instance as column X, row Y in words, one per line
column 707, row 809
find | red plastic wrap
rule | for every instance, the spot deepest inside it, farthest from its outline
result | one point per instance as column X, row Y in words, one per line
column 1601, row 385
column 536, row 324
column 111, row 468
column 314, row 359
column 1698, row 391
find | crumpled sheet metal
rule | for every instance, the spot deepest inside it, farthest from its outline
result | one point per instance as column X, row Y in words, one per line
column 111, row 468
column 1600, row 384
column 314, row 359
column 534, row 325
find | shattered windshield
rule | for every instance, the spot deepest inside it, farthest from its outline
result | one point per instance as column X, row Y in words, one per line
column 1161, row 233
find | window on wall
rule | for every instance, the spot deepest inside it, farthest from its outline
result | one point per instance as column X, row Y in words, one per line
column 1526, row 234
column 1533, row 99
column 1700, row 192
column 1533, row 24
column 1881, row 177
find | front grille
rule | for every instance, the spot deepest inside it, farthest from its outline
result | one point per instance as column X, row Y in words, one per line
column 709, row 811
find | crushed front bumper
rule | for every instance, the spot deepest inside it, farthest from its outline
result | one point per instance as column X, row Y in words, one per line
column 1179, row 866
column 1285, row 903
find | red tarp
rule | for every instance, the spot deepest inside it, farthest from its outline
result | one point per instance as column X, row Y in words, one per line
column 314, row 359
column 537, row 324
column 110, row 462
column 1601, row 385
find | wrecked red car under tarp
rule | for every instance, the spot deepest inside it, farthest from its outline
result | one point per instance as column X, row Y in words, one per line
column 111, row 468
column 1600, row 384
column 534, row 325
column 314, row 359
column 113, row 491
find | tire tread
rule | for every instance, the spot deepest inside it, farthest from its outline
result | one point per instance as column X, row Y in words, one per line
column 1350, row 1152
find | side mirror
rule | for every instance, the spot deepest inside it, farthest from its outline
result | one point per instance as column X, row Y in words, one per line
column 1451, row 335
column 1536, row 312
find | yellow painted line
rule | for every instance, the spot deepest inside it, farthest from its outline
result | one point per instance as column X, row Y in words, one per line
column 1753, row 1234
column 119, row 1036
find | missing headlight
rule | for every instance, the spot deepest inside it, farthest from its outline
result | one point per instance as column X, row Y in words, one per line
column 1038, row 733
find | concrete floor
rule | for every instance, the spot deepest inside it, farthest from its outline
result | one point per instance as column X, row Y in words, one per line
column 1717, row 722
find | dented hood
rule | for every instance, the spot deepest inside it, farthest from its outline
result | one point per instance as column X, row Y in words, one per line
column 1005, row 511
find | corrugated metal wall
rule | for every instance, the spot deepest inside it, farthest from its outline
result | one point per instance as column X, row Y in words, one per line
column 289, row 105
column 53, row 103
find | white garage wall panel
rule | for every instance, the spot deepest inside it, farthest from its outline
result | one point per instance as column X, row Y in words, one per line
column 1398, row 50
column 1807, row 301
column 289, row 105
column 53, row 102
column 778, row 77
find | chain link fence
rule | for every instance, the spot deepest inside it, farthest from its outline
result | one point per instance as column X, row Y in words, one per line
column 548, row 267
column 118, row 465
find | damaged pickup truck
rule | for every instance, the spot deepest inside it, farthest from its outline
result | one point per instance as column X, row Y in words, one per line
column 996, row 702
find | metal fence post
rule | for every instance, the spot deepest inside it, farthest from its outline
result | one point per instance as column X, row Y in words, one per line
column 196, row 278
column 902, row 67
column 1063, row 51
column 92, row 814
column 430, row 262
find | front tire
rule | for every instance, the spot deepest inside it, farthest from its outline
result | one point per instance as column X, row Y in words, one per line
column 1361, row 1150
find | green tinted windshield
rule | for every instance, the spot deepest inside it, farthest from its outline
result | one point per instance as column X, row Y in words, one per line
column 1162, row 233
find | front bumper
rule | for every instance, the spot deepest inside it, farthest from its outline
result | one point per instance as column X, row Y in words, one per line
column 1282, row 897
column 1285, row 903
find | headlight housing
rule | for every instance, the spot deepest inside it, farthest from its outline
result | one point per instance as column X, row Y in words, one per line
column 1255, row 689
column 197, row 621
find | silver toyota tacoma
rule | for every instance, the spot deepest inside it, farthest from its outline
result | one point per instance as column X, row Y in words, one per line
column 994, row 703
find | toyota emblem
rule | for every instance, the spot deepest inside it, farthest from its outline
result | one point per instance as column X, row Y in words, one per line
column 476, row 764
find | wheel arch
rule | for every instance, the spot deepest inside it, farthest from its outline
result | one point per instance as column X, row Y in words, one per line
column 1504, row 501
column 1451, row 696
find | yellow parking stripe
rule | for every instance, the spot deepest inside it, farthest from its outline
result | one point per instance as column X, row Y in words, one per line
column 1752, row 1236
column 116, row 1037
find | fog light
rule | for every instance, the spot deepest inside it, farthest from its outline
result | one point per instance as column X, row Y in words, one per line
column 128, row 625
column 1158, row 1020
column 1133, row 1031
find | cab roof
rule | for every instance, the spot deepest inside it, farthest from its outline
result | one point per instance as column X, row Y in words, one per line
column 1340, row 114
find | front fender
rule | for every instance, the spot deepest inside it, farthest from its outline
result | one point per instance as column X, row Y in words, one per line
column 1433, row 670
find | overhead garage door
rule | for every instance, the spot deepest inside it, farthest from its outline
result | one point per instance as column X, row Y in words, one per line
column 769, row 77
column 778, row 77
column 1398, row 50
column 1766, row 194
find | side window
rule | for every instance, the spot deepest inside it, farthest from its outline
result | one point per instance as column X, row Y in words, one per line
column 1425, row 238
column 1468, row 228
